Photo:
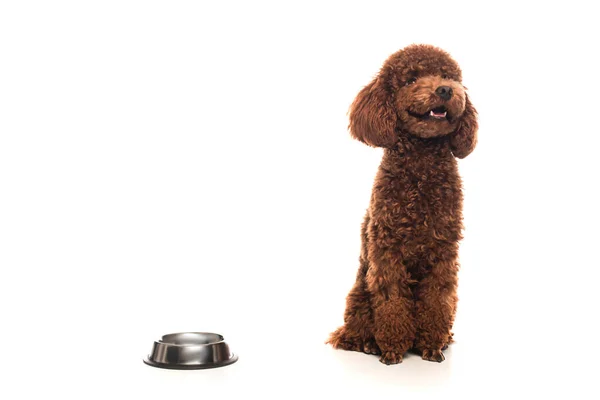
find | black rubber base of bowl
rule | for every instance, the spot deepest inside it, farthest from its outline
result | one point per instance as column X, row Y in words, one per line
column 148, row 361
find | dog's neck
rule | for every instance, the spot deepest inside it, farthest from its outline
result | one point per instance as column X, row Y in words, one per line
column 411, row 150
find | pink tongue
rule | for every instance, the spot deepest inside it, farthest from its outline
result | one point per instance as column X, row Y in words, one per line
column 439, row 115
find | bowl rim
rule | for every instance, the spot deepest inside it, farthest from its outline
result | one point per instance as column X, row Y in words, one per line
column 161, row 340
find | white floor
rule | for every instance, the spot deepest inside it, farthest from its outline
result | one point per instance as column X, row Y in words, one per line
column 96, row 351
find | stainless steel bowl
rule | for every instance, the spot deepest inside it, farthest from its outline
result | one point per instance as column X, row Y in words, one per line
column 191, row 350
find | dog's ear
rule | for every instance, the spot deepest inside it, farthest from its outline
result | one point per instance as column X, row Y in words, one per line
column 373, row 117
column 464, row 139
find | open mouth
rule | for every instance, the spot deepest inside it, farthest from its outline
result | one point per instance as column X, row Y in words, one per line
column 438, row 113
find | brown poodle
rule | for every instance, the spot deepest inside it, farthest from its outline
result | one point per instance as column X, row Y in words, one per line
column 405, row 292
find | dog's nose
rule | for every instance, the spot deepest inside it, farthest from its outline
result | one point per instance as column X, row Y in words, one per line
column 445, row 92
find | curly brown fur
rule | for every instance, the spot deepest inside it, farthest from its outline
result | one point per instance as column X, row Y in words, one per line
column 405, row 292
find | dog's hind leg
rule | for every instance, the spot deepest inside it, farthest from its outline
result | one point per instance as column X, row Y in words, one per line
column 357, row 332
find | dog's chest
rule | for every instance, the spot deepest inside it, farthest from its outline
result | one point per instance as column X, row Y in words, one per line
column 420, row 200
column 423, row 186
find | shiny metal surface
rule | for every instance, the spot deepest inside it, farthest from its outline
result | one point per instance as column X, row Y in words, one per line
column 191, row 350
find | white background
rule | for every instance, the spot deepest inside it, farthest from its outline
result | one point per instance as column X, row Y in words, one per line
column 186, row 166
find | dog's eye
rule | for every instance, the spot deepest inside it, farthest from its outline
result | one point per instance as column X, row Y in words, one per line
column 410, row 81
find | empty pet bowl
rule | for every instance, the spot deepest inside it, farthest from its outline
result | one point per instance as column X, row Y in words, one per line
column 191, row 350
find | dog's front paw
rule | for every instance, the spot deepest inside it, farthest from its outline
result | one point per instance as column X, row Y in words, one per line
column 433, row 355
column 391, row 357
column 370, row 347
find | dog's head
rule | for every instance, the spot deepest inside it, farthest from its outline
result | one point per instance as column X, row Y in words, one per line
column 418, row 92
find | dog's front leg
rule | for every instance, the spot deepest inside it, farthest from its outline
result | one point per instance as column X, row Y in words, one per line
column 394, row 325
column 435, row 309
